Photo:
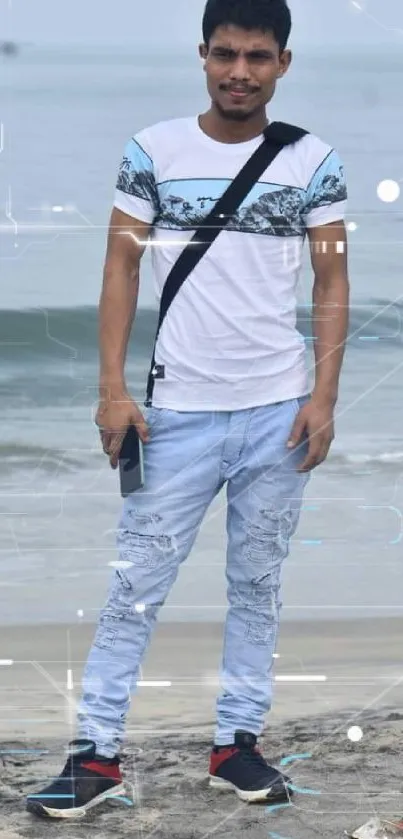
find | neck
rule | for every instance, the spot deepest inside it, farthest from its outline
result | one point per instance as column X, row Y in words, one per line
column 232, row 131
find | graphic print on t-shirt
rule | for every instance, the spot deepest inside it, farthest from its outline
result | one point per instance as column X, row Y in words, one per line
column 271, row 209
column 267, row 209
column 136, row 176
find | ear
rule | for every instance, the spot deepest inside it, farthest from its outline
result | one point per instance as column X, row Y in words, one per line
column 203, row 51
column 285, row 61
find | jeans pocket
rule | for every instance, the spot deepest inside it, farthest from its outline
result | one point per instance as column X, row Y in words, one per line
column 299, row 403
column 154, row 417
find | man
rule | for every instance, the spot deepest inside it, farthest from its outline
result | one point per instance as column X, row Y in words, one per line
column 231, row 403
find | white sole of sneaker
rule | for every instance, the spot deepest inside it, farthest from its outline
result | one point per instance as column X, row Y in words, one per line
column 114, row 794
column 244, row 795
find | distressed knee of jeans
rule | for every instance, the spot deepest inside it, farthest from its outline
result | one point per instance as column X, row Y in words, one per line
column 132, row 587
column 145, row 520
column 262, row 628
column 120, row 614
column 268, row 539
column 146, row 549
column 266, row 591
column 110, row 618
column 259, row 595
column 261, row 631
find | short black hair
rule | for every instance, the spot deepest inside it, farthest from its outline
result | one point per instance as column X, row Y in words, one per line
column 267, row 15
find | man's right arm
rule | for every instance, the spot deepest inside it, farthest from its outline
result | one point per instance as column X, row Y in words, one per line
column 127, row 240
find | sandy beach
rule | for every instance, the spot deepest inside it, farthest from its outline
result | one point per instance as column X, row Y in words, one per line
column 330, row 676
column 59, row 501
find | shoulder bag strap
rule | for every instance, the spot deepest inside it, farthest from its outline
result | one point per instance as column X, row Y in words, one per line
column 276, row 136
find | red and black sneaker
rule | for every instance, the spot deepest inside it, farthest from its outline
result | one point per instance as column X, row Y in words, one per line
column 241, row 767
column 86, row 781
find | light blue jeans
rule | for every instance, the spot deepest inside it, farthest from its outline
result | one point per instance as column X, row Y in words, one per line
column 189, row 458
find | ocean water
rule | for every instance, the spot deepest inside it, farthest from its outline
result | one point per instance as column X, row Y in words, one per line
column 66, row 116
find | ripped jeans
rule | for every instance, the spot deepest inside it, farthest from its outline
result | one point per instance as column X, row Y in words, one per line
column 190, row 457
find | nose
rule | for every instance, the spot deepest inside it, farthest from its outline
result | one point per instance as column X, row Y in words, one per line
column 240, row 70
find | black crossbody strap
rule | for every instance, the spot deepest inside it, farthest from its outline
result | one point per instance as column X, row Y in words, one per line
column 276, row 136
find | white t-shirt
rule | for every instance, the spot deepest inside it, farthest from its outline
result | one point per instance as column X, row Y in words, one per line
column 229, row 340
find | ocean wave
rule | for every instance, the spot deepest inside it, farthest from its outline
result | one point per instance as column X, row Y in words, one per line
column 375, row 461
column 23, row 455
column 57, row 334
column 64, row 334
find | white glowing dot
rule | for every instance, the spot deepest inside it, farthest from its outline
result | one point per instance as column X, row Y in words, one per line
column 80, row 613
column 352, row 226
column 57, row 208
column 140, row 608
column 388, row 191
column 355, row 733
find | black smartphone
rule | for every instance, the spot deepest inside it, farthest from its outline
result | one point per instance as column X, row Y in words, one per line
column 131, row 463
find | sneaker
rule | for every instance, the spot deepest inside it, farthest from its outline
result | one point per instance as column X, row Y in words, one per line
column 242, row 768
column 86, row 781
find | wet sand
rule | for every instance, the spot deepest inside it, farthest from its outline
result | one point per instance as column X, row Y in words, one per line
column 330, row 676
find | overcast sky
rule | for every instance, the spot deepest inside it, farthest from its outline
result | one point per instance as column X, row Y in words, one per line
column 177, row 22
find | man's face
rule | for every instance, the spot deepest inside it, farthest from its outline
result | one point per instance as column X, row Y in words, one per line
column 242, row 70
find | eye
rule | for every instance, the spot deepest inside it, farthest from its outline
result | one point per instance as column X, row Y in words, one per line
column 260, row 56
column 224, row 56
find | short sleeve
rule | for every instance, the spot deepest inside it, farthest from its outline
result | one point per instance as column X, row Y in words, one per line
column 136, row 189
column 326, row 197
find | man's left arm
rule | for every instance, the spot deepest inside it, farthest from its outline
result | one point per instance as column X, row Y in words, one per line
column 328, row 245
column 330, row 317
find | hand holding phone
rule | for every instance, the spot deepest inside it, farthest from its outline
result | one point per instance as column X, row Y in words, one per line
column 116, row 412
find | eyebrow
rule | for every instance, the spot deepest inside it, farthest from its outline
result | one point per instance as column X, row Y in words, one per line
column 257, row 52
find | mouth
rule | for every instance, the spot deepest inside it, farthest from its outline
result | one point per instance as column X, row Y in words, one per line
column 239, row 94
